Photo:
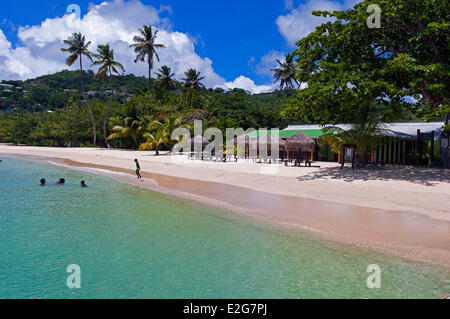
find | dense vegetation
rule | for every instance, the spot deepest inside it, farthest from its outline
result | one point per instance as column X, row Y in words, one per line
column 66, row 118
column 351, row 73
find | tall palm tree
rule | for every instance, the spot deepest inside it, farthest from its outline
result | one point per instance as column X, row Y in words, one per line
column 286, row 72
column 192, row 79
column 108, row 66
column 145, row 47
column 77, row 47
column 165, row 77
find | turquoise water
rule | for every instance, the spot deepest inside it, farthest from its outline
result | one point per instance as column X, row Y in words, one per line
column 133, row 243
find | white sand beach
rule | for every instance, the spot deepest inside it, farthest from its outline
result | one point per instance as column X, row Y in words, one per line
column 405, row 208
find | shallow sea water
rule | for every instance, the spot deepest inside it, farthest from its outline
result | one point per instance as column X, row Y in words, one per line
column 135, row 243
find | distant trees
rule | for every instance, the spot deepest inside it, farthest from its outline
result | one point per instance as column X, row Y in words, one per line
column 145, row 47
column 165, row 77
column 192, row 79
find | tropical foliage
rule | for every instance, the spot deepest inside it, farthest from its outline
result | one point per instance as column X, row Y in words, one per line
column 165, row 77
column 286, row 73
column 192, row 79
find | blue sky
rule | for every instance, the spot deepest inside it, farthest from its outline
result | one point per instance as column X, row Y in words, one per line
column 230, row 41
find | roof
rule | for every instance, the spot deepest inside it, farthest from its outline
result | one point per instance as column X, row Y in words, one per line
column 404, row 130
column 314, row 133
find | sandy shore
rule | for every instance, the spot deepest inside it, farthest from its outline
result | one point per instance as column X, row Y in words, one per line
column 401, row 210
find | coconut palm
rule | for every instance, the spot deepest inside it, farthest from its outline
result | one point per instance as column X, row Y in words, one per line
column 192, row 79
column 145, row 48
column 77, row 47
column 154, row 140
column 165, row 76
column 170, row 124
column 286, row 73
column 127, row 128
column 108, row 66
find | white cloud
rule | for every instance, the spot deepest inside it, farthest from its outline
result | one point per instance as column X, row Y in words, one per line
column 289, row 4
column 115, row 23
column 247, row 84
column 299, row 22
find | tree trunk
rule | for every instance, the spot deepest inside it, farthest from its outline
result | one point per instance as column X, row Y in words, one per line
column 149, row 76
column 87, row 102
column 107, row 112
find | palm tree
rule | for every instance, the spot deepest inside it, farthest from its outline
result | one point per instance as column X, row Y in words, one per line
column 127, row 128
column 170, row 124
column 286, row 73
column 154, row 141
column 192, row 79
column 165, row 77
column 108, row 66
column 77, row 47
column 145, row 47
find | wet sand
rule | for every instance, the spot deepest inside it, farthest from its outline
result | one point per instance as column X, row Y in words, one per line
column 403, row 233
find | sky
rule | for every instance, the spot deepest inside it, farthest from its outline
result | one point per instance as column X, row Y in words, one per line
column 233, row 43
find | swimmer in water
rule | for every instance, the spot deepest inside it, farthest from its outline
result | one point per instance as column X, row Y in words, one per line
column 60, row 182
column 43, row 181
column 83, row 184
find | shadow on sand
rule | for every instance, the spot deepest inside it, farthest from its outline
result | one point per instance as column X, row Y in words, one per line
column 419, row 175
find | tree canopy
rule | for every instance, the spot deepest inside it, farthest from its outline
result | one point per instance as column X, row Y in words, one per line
column 351, row 68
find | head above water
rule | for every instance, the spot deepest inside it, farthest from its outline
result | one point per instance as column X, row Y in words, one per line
column 83, row 183
column 43, row 181
column 62, row 180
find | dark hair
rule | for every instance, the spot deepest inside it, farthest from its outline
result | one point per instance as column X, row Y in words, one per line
column 82, row 182
column 43, row 181
column 136, row 160
column 62, row 180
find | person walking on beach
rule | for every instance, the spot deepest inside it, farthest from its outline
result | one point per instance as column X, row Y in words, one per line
column 138, row 169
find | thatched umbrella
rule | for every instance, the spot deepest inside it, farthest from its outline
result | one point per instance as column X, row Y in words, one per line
column 300, row 141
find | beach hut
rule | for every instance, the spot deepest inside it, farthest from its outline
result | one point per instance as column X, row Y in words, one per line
column 300, row 142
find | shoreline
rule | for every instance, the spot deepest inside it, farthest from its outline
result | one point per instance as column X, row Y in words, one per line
column 410, row 235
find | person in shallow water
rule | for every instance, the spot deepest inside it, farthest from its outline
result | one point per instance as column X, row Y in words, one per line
column 138, row 169
column 43, row 181
column 83, row 184
column 60, row 182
